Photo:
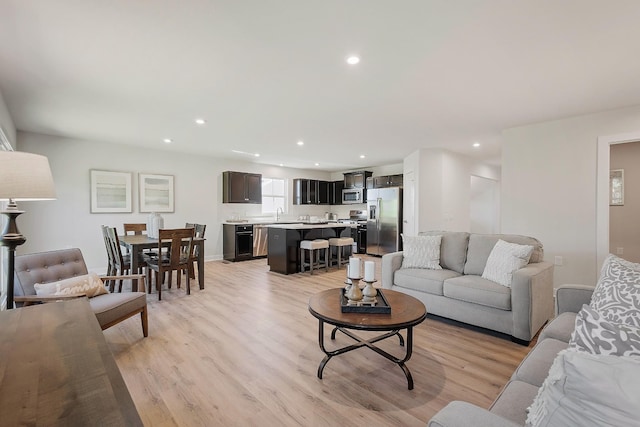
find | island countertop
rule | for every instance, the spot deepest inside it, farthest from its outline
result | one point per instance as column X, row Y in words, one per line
column 311, row 226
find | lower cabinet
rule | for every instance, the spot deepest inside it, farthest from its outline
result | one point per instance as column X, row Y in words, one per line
column 237, row 242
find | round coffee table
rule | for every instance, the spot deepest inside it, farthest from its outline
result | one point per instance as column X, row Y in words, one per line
column 406, row 312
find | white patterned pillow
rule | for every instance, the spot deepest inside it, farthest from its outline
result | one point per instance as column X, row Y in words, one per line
column 588, row 390
column 504, row 259
column 617, row 294
column 594, row 334
column 88, row 284
column 421, row 252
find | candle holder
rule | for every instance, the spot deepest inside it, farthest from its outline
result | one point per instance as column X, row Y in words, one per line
column 354, row 294
column 369, row 293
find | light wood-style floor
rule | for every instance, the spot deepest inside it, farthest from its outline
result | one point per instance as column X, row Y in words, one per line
column 244, row 352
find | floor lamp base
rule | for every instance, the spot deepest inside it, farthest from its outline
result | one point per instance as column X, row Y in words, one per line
column 11, row 238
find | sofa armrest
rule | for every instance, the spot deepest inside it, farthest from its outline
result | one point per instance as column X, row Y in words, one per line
column 463, row 414
column 390, row 263
column 531, row 299
column 572, row 297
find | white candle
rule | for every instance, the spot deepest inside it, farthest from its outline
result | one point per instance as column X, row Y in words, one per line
column 354, row 268
column 369, row 271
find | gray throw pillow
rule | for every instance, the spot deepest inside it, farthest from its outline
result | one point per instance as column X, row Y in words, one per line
column 617, row 294
column 594, row 334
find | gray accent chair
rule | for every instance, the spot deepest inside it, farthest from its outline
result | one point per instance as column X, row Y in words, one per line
column 459, row 292
column 510, row 407
column 46, row 267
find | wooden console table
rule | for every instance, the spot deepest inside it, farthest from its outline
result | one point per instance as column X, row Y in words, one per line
column 56, row 369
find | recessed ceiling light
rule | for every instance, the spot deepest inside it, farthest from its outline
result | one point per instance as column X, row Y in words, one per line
column 476, row 144
column 256, row 155
column 362, row 156
column 281, row 164
column 353, row 60
column 300, row 143
column 317, row 164
column 167, row 140
column 200, row 121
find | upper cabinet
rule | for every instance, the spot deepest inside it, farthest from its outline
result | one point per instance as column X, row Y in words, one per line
column 356, row 179
column 384, row 181
column 241, row 187
column 335, row 192
column 310, row 192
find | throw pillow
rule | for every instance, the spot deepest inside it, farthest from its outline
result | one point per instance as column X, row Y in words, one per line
column 421, row 252
column 617, row 293
column 89, row 284
column 588, row 390
column 504, row 259
column 594, row 334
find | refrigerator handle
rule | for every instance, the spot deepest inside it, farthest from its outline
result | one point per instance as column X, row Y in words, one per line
column 372, row 212
column 378, row 209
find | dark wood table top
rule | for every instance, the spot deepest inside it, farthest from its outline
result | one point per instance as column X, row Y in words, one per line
column 56, row 369
column 406, row 311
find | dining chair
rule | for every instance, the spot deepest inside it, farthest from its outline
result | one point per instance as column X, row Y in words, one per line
column 199, row 230
column 110, row 258
column 134, row 228
column 121, row 263
column 175, row 259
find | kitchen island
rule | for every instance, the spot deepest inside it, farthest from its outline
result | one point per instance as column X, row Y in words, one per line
column 284, row 242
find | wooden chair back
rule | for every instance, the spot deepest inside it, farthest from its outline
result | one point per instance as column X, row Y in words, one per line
column 107, row 244
column 179, row 253
column 134, row 228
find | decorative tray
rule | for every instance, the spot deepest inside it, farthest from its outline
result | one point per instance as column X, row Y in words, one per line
column 380, row 307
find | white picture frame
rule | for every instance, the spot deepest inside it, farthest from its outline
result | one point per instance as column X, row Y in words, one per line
column 156, row 193
column 110, row 191
column 616, row 187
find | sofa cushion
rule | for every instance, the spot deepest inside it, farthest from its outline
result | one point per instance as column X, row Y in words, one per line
column 559, row 328
column 453, row 248
column 477, row 290
column 589, row 391
column 88, row 284
column 504, row 259
column 421, row 252
column 423, row 280
column 617, row 293
column 534, row 368
column 594, row 334
column 513, row 401
column 481, row 245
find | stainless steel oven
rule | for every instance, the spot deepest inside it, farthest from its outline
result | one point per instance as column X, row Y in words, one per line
column 353, row 195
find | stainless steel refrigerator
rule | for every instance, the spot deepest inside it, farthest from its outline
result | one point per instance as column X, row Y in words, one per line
column 384, row 223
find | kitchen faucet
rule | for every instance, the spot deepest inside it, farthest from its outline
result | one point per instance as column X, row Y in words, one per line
column 278, row 213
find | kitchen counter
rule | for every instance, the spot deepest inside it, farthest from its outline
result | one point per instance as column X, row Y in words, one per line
column 284, row 242
column 272, row 222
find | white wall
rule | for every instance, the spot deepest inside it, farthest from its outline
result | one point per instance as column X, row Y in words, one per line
column 549, row 187
column 67, row 222
column 443, row 188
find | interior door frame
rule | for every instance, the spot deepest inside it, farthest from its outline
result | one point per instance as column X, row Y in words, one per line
column 602, row 190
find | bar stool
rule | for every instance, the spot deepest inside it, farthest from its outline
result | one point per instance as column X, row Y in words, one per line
column 314, row 246
column 340, row 243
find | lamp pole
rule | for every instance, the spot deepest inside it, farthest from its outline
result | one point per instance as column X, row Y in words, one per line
column 11, row 238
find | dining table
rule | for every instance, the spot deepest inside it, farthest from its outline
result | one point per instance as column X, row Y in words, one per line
column 137, row 243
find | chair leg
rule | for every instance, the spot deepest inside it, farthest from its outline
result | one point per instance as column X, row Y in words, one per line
column 326, row 259
column 188, row 281
column 158, row 285
column 311, row 252
column 145, row 322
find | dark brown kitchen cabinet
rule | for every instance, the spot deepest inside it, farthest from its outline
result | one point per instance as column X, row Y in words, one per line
column 385, row 181
column 356, row 179
column 310, row 192
column 335, row 192
column 241, row 187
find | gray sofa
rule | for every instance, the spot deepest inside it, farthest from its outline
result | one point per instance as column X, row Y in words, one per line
column 460, row 293
column 509, row 408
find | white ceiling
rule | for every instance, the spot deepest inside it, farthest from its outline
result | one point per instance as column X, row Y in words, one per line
column 267, row 73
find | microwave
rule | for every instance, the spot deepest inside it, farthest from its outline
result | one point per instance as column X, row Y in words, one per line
column 353, row 195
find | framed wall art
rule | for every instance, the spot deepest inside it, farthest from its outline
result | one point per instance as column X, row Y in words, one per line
column 616, row 187
column 110, row 191
column 156, row 193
